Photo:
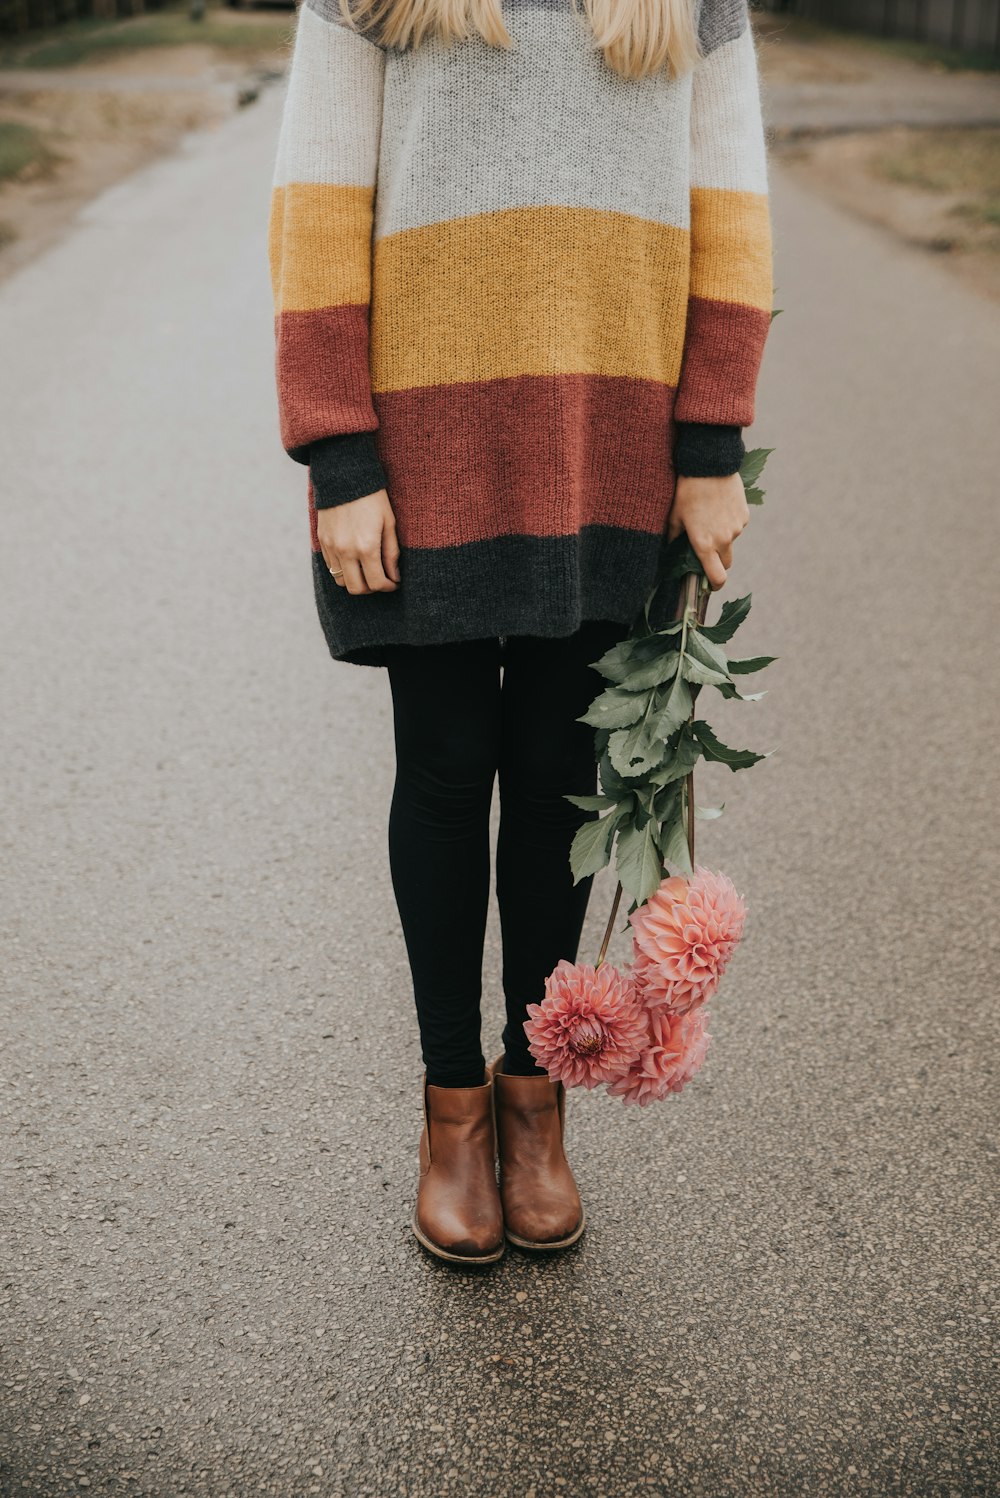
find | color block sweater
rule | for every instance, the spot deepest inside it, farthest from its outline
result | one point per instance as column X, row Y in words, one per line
column 506, row 283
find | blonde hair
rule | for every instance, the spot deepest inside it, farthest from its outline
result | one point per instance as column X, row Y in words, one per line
column 637, row 37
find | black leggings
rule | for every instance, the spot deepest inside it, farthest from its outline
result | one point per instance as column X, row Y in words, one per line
column 457, row 726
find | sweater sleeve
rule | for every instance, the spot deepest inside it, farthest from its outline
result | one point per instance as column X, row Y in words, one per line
column 730, row 294
column 708, row 451
column 320, row 231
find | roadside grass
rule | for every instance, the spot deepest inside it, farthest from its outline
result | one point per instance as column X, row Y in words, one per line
column 86, row 41
column 928, row 53
column 932, row 55
column 21, row 147
column 962, row 161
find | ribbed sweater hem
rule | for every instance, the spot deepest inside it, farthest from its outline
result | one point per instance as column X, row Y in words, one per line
column 523, row 585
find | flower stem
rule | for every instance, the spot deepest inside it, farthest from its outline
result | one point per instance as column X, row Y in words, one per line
column 693, row 604
column 609, row 928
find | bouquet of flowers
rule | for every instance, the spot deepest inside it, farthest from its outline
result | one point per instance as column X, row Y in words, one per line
column 641, row 1031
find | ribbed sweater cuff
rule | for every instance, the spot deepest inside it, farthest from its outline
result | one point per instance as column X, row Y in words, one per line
column 706, row 450
column 345, row 467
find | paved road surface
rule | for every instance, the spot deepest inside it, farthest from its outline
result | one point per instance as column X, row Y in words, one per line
column 209, row 1108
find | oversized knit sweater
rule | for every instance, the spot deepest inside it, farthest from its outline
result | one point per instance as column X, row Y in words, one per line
column 506, row 280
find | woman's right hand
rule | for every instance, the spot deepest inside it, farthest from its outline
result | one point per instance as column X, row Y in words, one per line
column 358, row 541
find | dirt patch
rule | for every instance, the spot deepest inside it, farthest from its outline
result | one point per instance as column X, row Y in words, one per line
column 91, row 140
column 116, row 107
column 790, row 53
column 936, row 189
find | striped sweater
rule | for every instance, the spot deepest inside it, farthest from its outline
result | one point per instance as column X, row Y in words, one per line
column 504, row 281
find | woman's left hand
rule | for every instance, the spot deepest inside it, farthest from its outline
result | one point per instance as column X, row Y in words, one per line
column 712, row 512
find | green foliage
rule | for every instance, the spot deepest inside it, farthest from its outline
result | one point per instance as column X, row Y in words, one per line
column 21, row 147
column 92, row 39
column 647, row 739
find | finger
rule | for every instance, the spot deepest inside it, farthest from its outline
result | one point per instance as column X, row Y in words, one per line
column 333, row 563
column 354, row 578
column 336, row 568
column 674, row 526
column 390, row 553
column 713, row 566
column 371, row 562
column 726, row 555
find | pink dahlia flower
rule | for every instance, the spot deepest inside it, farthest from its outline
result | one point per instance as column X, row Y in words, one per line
column 683, row 938
column 590, row 1027
column 676, row 1050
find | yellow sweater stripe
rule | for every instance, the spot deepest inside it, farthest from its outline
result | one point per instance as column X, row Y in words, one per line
column 319, row 246
column 731, row 247
column 476, row 298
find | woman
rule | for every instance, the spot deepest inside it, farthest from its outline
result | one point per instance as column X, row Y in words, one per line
column 521, row 259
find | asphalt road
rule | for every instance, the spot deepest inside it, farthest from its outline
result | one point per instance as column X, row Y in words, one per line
column 210, row 1072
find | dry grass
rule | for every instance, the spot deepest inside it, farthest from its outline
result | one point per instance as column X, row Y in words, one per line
column 962, row 164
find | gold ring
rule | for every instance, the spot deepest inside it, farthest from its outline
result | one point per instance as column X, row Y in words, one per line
column 336, row 574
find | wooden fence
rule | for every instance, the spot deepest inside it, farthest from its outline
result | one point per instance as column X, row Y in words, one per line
column 18, row 16
column 964, row 25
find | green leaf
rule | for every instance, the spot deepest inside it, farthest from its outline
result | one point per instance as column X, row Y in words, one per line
column 638, row 861
column 664, row 799
column 654, row 673
column 707, row 651
column 753, row 464
column 754, row 496
column 615, row 663
column 732, row 616
column 641, row 814
column 676, row 709
column 685, row 754
column 635, row 750
column 629, row 653
column 750, row 664
column 646, row 646
column 728, row 690
column 708, row 813
column 713, row 748
column 611, row 781
column 615, row 708
column 701, row 675
column 590, row 849
column 591, row 803
column 673, row 840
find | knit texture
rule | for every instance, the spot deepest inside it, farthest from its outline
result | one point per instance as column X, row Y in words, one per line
column 518, row 272
column 703, row 451
column 347, row 466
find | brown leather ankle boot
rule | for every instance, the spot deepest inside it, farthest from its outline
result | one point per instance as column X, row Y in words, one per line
column 541, row 1205
column 458, row 1215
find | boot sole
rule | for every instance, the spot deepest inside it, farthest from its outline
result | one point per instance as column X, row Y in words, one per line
column 442, row 1253
column 544, row 1248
